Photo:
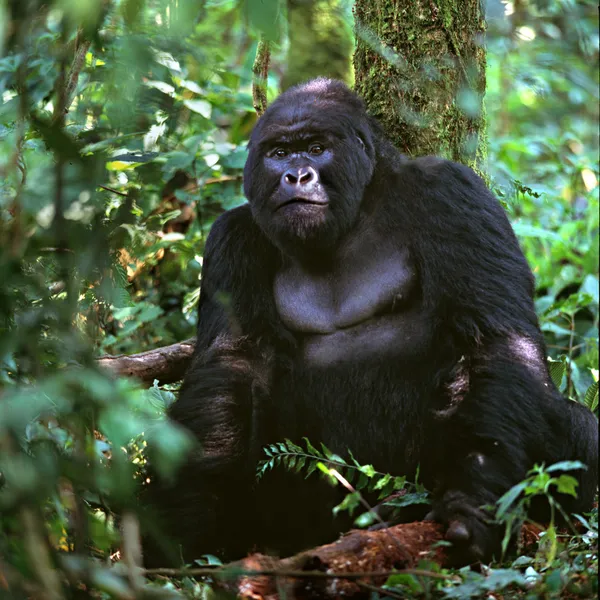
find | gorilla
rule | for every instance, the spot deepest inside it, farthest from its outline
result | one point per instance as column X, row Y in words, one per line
column 377, row 304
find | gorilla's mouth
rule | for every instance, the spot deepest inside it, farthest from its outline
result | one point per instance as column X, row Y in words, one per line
column 302, row 201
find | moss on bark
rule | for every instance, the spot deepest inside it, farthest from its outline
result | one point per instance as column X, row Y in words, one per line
column 420, row 66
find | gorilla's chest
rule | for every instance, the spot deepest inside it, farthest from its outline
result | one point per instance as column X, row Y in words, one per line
column 365, row 306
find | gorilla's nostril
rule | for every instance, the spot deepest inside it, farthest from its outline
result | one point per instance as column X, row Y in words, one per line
column 290, row 178
column 305, row 177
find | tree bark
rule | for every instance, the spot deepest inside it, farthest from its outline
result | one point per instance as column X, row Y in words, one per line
column 374, row 553
column 420, row 66
column 167, row 364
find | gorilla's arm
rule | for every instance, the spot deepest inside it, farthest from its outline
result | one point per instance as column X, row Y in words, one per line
column 236, row 331
column 221, row 396
column 502, row 413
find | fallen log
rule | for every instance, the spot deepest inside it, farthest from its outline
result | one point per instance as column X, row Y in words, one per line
column 167, row 364
column 354, row 566
column 362, row 559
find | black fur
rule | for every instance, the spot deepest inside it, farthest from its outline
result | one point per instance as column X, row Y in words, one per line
column 464, row 392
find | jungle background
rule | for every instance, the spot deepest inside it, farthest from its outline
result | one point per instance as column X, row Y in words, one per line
column 123, row 126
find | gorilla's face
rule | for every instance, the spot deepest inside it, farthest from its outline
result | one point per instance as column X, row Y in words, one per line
column 311, row 157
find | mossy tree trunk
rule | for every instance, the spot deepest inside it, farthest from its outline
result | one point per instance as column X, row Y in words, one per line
column 420, row 66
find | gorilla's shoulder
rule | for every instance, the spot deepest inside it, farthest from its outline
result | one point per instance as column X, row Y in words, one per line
column 436, row 169
column 233, row 220
column 446, row 183
column 235, row 227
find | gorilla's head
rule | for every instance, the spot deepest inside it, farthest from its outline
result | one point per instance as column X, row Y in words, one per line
column 311, row 156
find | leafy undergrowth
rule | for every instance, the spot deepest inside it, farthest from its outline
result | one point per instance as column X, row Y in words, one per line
column 545, row 561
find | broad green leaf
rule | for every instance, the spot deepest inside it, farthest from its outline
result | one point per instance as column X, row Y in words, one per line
column 591, row 396
column 566, row 484
column 557, row 370
column 202, row 107
column 366, row 519
column 526, row 230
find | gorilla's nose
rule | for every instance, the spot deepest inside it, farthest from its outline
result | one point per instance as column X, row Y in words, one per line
column 298, row 178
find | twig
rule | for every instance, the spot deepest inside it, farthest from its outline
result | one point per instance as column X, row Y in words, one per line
column 57, row 250
column 570, row 354
column 216, row 570
column 112, row 190
column 222, row 179
column 378, row 590
column 260, row 69
column 132, row 550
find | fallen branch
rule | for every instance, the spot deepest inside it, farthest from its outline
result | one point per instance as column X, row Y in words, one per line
column 337, row 570
column 167, row 364
column 359, row 563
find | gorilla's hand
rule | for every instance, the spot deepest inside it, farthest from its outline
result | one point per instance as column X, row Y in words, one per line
column 474, row 535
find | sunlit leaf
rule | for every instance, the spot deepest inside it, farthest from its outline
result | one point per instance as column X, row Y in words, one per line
column 202, row 107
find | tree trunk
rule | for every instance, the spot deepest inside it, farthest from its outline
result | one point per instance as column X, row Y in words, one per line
column 420, row 66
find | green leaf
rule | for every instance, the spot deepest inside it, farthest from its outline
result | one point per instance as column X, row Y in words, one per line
column 310, row 448
column 525, row 230
column 326, row 451
column 557, row 370
column 507, row 499
column 362, row 482
column 409, row 499
column 368, row 470
column 366, row 519
column 493, row 581
column 202, row 107
column 590, row 286
column 566, row 484
column 566, row 465
column 591, row 396
column 327, row 472
column 293, row 447
column 382, row 482
column 399, row 483
column 349, row 503
column 311, row 468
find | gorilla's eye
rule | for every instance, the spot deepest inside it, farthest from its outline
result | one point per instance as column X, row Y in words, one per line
column 316, row 149
column 280, row 153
